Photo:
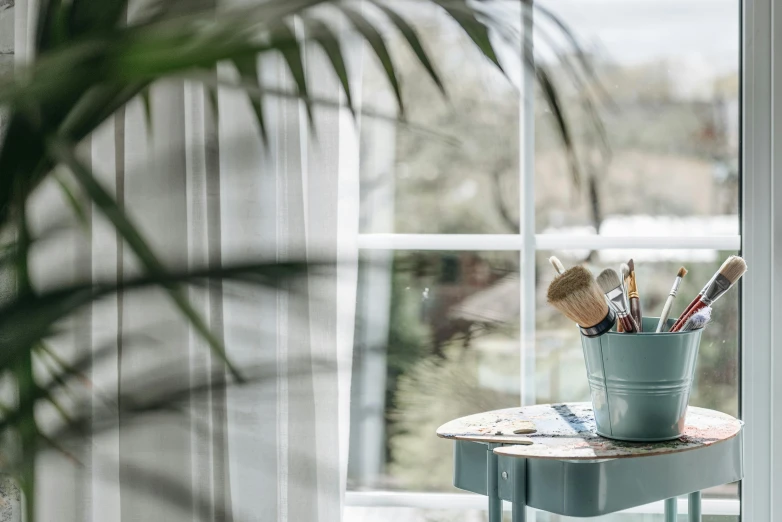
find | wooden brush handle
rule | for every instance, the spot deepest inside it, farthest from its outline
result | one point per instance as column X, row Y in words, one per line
column 695, row 301
column 635, row 311
column 628, row 324
column 685, row 312
column 700, row 305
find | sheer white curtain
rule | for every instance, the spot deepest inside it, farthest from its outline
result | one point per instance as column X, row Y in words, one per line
column 206, row 192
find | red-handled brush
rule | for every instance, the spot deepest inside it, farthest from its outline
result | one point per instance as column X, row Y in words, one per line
column 730, row 272
column 695, row 301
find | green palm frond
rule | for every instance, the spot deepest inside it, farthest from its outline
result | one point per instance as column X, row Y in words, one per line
column 91, row 60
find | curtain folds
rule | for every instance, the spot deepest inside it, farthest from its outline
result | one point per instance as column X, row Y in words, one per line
column 206, row 192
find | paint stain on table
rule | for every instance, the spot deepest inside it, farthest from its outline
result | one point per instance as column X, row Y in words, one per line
column 567, row 431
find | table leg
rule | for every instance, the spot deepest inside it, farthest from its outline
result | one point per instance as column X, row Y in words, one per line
column 670, row 509
column 492, row 488
column 694, row 507
column 519, row 491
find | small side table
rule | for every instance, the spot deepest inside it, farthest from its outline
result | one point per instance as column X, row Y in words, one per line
column 565, row 467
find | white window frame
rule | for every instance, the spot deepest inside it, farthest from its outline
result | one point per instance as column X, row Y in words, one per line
column 761, row 292
column 762, row 247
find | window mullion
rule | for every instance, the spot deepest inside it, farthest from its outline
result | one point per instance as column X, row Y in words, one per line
column 527, row 205
column 532, row 241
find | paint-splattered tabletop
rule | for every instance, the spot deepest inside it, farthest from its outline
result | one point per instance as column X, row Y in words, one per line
column 567, row 432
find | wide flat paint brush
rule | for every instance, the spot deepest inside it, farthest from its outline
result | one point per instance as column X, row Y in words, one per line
column 609, row 282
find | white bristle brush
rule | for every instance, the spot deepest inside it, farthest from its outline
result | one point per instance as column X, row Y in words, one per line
column 698, row 320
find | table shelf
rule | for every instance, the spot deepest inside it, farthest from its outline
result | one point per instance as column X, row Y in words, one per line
column 570, row 470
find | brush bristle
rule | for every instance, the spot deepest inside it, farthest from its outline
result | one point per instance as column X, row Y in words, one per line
column 699, row 319
column 625, row 269
column 561, row 287
column 576, row 295
column 631, row 265
column 608, row 280
column 733, row 268
column 682, row 272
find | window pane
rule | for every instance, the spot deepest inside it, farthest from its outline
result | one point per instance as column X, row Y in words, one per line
column 437, row 333
column 455, row 169
column 670, row 73
column 436, row 339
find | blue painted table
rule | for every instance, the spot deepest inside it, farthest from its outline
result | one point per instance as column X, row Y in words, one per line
column 550, row 457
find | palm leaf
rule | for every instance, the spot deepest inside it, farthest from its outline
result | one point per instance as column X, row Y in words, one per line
column 478, row 32
column 413, row 41
column 73, row 201
column 375, row 40
column 87, row 17
column 577, row 48
column 552, row 99
column 103, row 200
column 251, row 89
column 285, row 39
column 27, row 320
column 90, row 62
column 322, row 34
column 247, row 67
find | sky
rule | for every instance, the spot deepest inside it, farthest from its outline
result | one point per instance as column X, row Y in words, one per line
column 637, row 31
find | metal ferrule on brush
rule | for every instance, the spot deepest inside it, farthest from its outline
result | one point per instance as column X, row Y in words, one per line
column 675, row 288
column 668, row 304
column 632, row 289
column 618, row 301
column 707, row 285
column 718, row 286
column 601, row 327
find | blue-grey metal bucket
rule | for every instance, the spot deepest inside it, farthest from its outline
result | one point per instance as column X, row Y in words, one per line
column 641, row 382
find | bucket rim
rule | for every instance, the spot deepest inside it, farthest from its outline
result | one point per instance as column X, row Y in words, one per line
column 655, row 319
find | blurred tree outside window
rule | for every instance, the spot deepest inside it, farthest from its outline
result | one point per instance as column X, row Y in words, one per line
column 438, row 332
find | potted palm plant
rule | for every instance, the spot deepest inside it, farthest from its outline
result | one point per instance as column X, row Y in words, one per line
column 88, row 60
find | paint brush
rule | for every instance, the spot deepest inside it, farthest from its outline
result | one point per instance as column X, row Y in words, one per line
column 698, row 320
column 609, row 282
column 557, row 264
column 730, row 272
column 669, row 302
column 634, row 298
column 692, row 303
column 575, row 294
column 624, row 270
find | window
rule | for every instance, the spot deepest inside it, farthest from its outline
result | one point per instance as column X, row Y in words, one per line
column 457, row 223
